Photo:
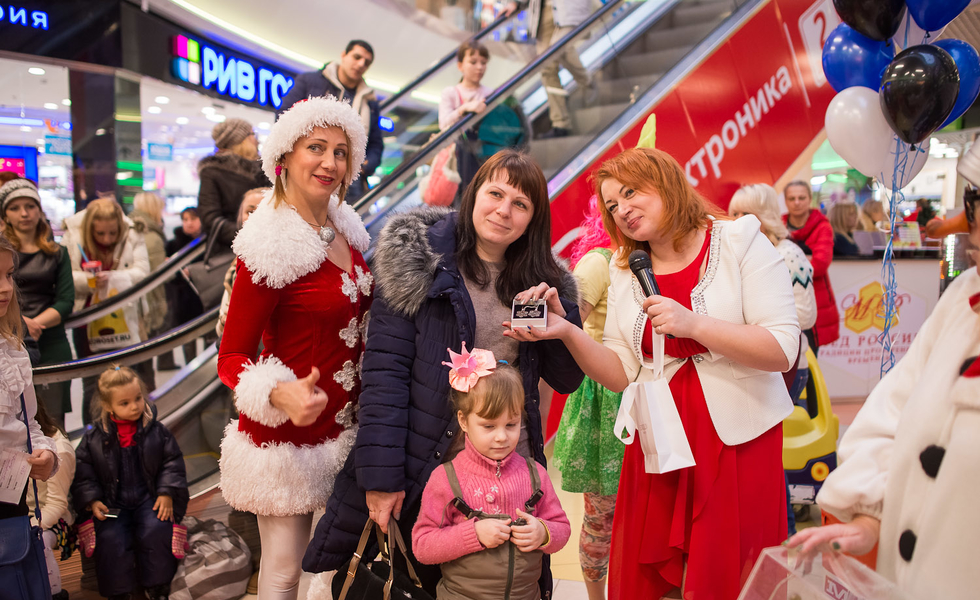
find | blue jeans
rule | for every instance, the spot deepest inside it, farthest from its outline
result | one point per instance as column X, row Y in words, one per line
column 134, row 548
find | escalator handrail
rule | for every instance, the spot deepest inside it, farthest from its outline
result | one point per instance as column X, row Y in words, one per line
column 181, row 259
column 495, row 98
column 390, row 101
column 622, row 124
column 92, row 365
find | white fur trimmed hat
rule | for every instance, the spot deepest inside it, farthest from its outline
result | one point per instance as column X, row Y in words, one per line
column 300, row 120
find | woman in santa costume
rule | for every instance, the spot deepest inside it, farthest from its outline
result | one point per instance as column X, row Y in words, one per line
column 303, row 290
column 908, row 478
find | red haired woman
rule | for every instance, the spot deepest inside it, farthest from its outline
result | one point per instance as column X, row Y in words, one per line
column 727, row 299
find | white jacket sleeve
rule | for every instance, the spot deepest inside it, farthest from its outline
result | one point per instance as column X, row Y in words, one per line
column 38, row 439
column 613, row 337
column 767, row 296
column 857, row 486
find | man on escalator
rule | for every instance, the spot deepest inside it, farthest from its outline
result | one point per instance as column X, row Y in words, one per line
column 345, row 80
column 551, row 20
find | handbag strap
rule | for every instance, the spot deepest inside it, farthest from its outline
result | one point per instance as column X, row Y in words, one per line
column 30, row 450
column 394, row 532
column 356, row 559
column 212, row 239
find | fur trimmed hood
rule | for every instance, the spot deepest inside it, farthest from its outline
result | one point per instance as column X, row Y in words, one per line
column 406, row 264
column 279, row 247
column 228, row 161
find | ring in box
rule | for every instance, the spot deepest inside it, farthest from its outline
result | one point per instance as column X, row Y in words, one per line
column 533, row 314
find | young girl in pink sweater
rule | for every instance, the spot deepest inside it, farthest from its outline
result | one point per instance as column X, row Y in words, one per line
column 489, row 515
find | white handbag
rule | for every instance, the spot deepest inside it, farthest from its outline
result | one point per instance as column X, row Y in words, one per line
column 647, row 411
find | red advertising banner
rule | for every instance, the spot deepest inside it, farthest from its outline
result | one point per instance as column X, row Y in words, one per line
column 743, row 115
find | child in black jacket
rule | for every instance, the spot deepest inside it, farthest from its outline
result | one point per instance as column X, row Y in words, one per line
column 130, row 477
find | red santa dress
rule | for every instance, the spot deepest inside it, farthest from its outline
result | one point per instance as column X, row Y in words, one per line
column 307, row 312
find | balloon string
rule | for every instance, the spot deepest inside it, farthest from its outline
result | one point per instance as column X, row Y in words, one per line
column 889, row 282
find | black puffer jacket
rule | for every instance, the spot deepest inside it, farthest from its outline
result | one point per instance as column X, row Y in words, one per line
column 97, row 461
column 224, row 180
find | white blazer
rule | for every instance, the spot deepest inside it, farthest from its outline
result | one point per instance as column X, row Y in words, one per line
column 746, row 282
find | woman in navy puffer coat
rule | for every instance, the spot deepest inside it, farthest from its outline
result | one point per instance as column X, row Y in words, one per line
column 427, row 302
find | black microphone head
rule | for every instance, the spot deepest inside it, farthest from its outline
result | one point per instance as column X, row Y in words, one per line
column 639, row 260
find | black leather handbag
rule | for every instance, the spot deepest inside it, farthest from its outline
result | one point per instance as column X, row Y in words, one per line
column 377, row 580
column 23, row 570
column 207, row 277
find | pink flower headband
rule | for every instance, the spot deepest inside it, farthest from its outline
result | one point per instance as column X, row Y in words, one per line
column 467, row 367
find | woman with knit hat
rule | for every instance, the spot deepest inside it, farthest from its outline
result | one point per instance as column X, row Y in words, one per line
column 303, row 289
column 225, row 177
column 44, row 280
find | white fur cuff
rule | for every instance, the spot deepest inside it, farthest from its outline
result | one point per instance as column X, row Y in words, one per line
column 280, row 480
column 255, row 384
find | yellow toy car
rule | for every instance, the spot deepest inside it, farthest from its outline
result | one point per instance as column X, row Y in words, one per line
column 810, row 441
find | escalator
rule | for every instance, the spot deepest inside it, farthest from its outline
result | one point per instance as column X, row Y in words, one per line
column 677, row 59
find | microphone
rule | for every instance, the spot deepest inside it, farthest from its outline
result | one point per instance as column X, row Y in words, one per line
column 643, row 271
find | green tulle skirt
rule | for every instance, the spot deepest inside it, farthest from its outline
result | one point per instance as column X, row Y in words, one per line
column 587, row 451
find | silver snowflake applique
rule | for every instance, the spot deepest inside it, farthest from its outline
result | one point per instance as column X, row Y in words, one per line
column 364, row 280
column 349, row 288
column 347, row 376
column 350, row 333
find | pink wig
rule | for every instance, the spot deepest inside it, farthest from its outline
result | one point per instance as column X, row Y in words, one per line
column 593, row 234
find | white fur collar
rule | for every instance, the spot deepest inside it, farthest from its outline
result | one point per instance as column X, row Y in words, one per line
column 279, row 247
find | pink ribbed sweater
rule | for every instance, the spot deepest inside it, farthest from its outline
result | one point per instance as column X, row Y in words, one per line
column 437, row 539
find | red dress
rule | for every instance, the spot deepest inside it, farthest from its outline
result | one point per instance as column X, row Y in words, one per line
column 714, row 517
column 308, row 312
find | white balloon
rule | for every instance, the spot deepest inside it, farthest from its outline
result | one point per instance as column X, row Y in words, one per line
column 858, row 132
column 914, row 161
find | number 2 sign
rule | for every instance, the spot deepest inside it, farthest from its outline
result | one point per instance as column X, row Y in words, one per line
column 815, row 27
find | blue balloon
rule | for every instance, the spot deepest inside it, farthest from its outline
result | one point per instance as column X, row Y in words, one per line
column 850, row 59
column 933, row 15
column 968, row 64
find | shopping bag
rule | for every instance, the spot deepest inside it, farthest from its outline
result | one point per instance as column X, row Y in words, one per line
column 647, row 411
column 217, row 565
column 439, row 186
column 783, row 573
column 121, row 327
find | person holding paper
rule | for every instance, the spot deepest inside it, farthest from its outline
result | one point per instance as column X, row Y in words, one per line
column 727, row 298
column 15, row 382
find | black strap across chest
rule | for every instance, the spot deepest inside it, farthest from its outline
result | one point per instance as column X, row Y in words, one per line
column 469, row 513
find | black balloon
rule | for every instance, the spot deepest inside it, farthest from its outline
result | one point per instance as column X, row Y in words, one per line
column 877, row 19
column 918, row 91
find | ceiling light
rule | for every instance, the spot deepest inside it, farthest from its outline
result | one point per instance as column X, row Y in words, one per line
column 25, row 128
column 66, row 102
column 216, row 118
column 263, row 125
column 183, row 120
column 162, row 100
column 50, row 106
column 36, row 71
column 39, row 141
column 154, row 110
column 208, row 110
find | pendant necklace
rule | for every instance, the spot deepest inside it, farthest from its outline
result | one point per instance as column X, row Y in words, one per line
column 327, row 234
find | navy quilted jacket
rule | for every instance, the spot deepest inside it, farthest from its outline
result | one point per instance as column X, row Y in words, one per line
column 406, row 423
